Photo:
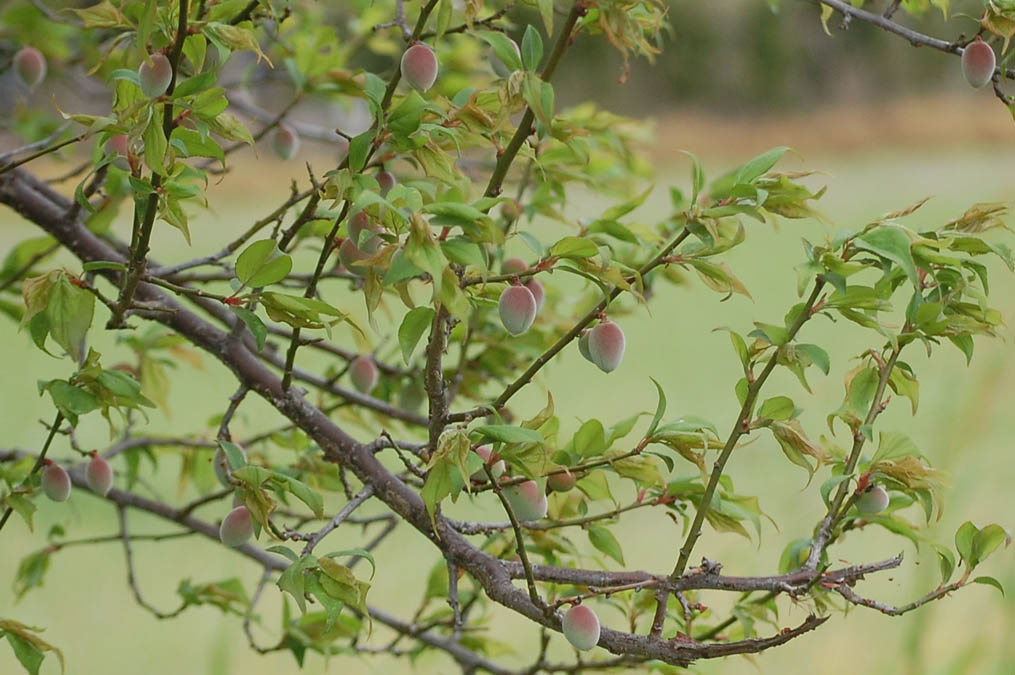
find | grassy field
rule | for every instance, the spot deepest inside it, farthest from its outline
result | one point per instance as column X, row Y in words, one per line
column 964, row 425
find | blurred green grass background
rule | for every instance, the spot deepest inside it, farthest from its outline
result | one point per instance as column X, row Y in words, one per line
column 964, row 425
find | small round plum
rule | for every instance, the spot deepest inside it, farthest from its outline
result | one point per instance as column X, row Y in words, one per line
column 419, row 66
column 237, row 527
column 497, row 468
column 155, row 76
column 363, row 373
column 56, row 482
column 517, row 308
column 350, row 255
column 386, row 180
column 285, row 142
column 978, row 63
column 872, row 500
column 561, row 482
column 30, row 66
column 119, row 148
column 538, row 292
column 513, row 266
column 358, row 223
column 527, row 500
column 99, row 475
column 511, row 210
column 220, row 463
column 606, row 346
column 581, row 627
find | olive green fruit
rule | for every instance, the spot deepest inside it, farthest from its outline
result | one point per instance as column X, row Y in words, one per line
column 155, row 75
column 30, row 66
column 562, row 481
column 419, row 66
column 220, row 463
column 285, row 142
column 119, row 148
column 99, row 475
column 606, row 346
column 386, row 180
column 978, row 63
column 237, row 527
column 412, row 396
column 497, row 469
column 56, row 482
column 872, row 500
column 511, row 210
column 517, row 308
column 363, row 373
column 527, row 500
column 581, row 627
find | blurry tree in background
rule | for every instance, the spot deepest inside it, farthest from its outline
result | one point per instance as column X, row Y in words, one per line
column 452, row 147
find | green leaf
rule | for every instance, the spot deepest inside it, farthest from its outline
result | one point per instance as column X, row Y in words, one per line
column 503, row 47
column 760, row 165
column 234, row 455
column 777, row 408
column 27, row 654
column 254, row 323
column 507, row 433
column 532, row 48
column 604, row 540
column 262, row 264
column 359, row 147
column 964, row 542
column 413, row 326
column 893, row 244
column 660, row 409
column 818, row 356
column 590, row 440
column 990, row 581
column 69, row 313
column 987, row 540
column 574, row 247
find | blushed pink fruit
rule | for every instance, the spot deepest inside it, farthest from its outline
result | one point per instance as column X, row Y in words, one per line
column 220, row 463
column 350, row 256
column 581, row 627
column 119, row 147
column 285, row 141
column 561, row 482
column 99, row 475
column 363, row 373
column 873, row 500
column 386, row 180
column 155, row 76
column 56, row 482
column 497, row 468
column 978, row 62
column 358, row 223
column 606, row 346
column 419, row 66
column 511, row 210
column 538, row 292
column 513, row 266
column 517, row 308
column 237, row 527
column 527, row 500
column 30, row 65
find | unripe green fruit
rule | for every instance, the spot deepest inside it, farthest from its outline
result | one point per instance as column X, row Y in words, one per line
column 581, row 627
column 350, row 256
column 419, row 66
column 358, row 223
column 517, row 308
column 511, row 210
column 978, row 63
column 119, row 147
column 538, row 292
column 561, row 482
column 386, row 180
column 513, row 266
column 30, row 66
column 412, row 396
column 285, row 141
column 606, row 346
column 497, row 469
column 220, row 463
column 873, row 500
column 99, row 475
column 155, row 76
column 363, row 373
column 527, row 500
column 237, row 527
column 56, row 482
column 583, row 346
